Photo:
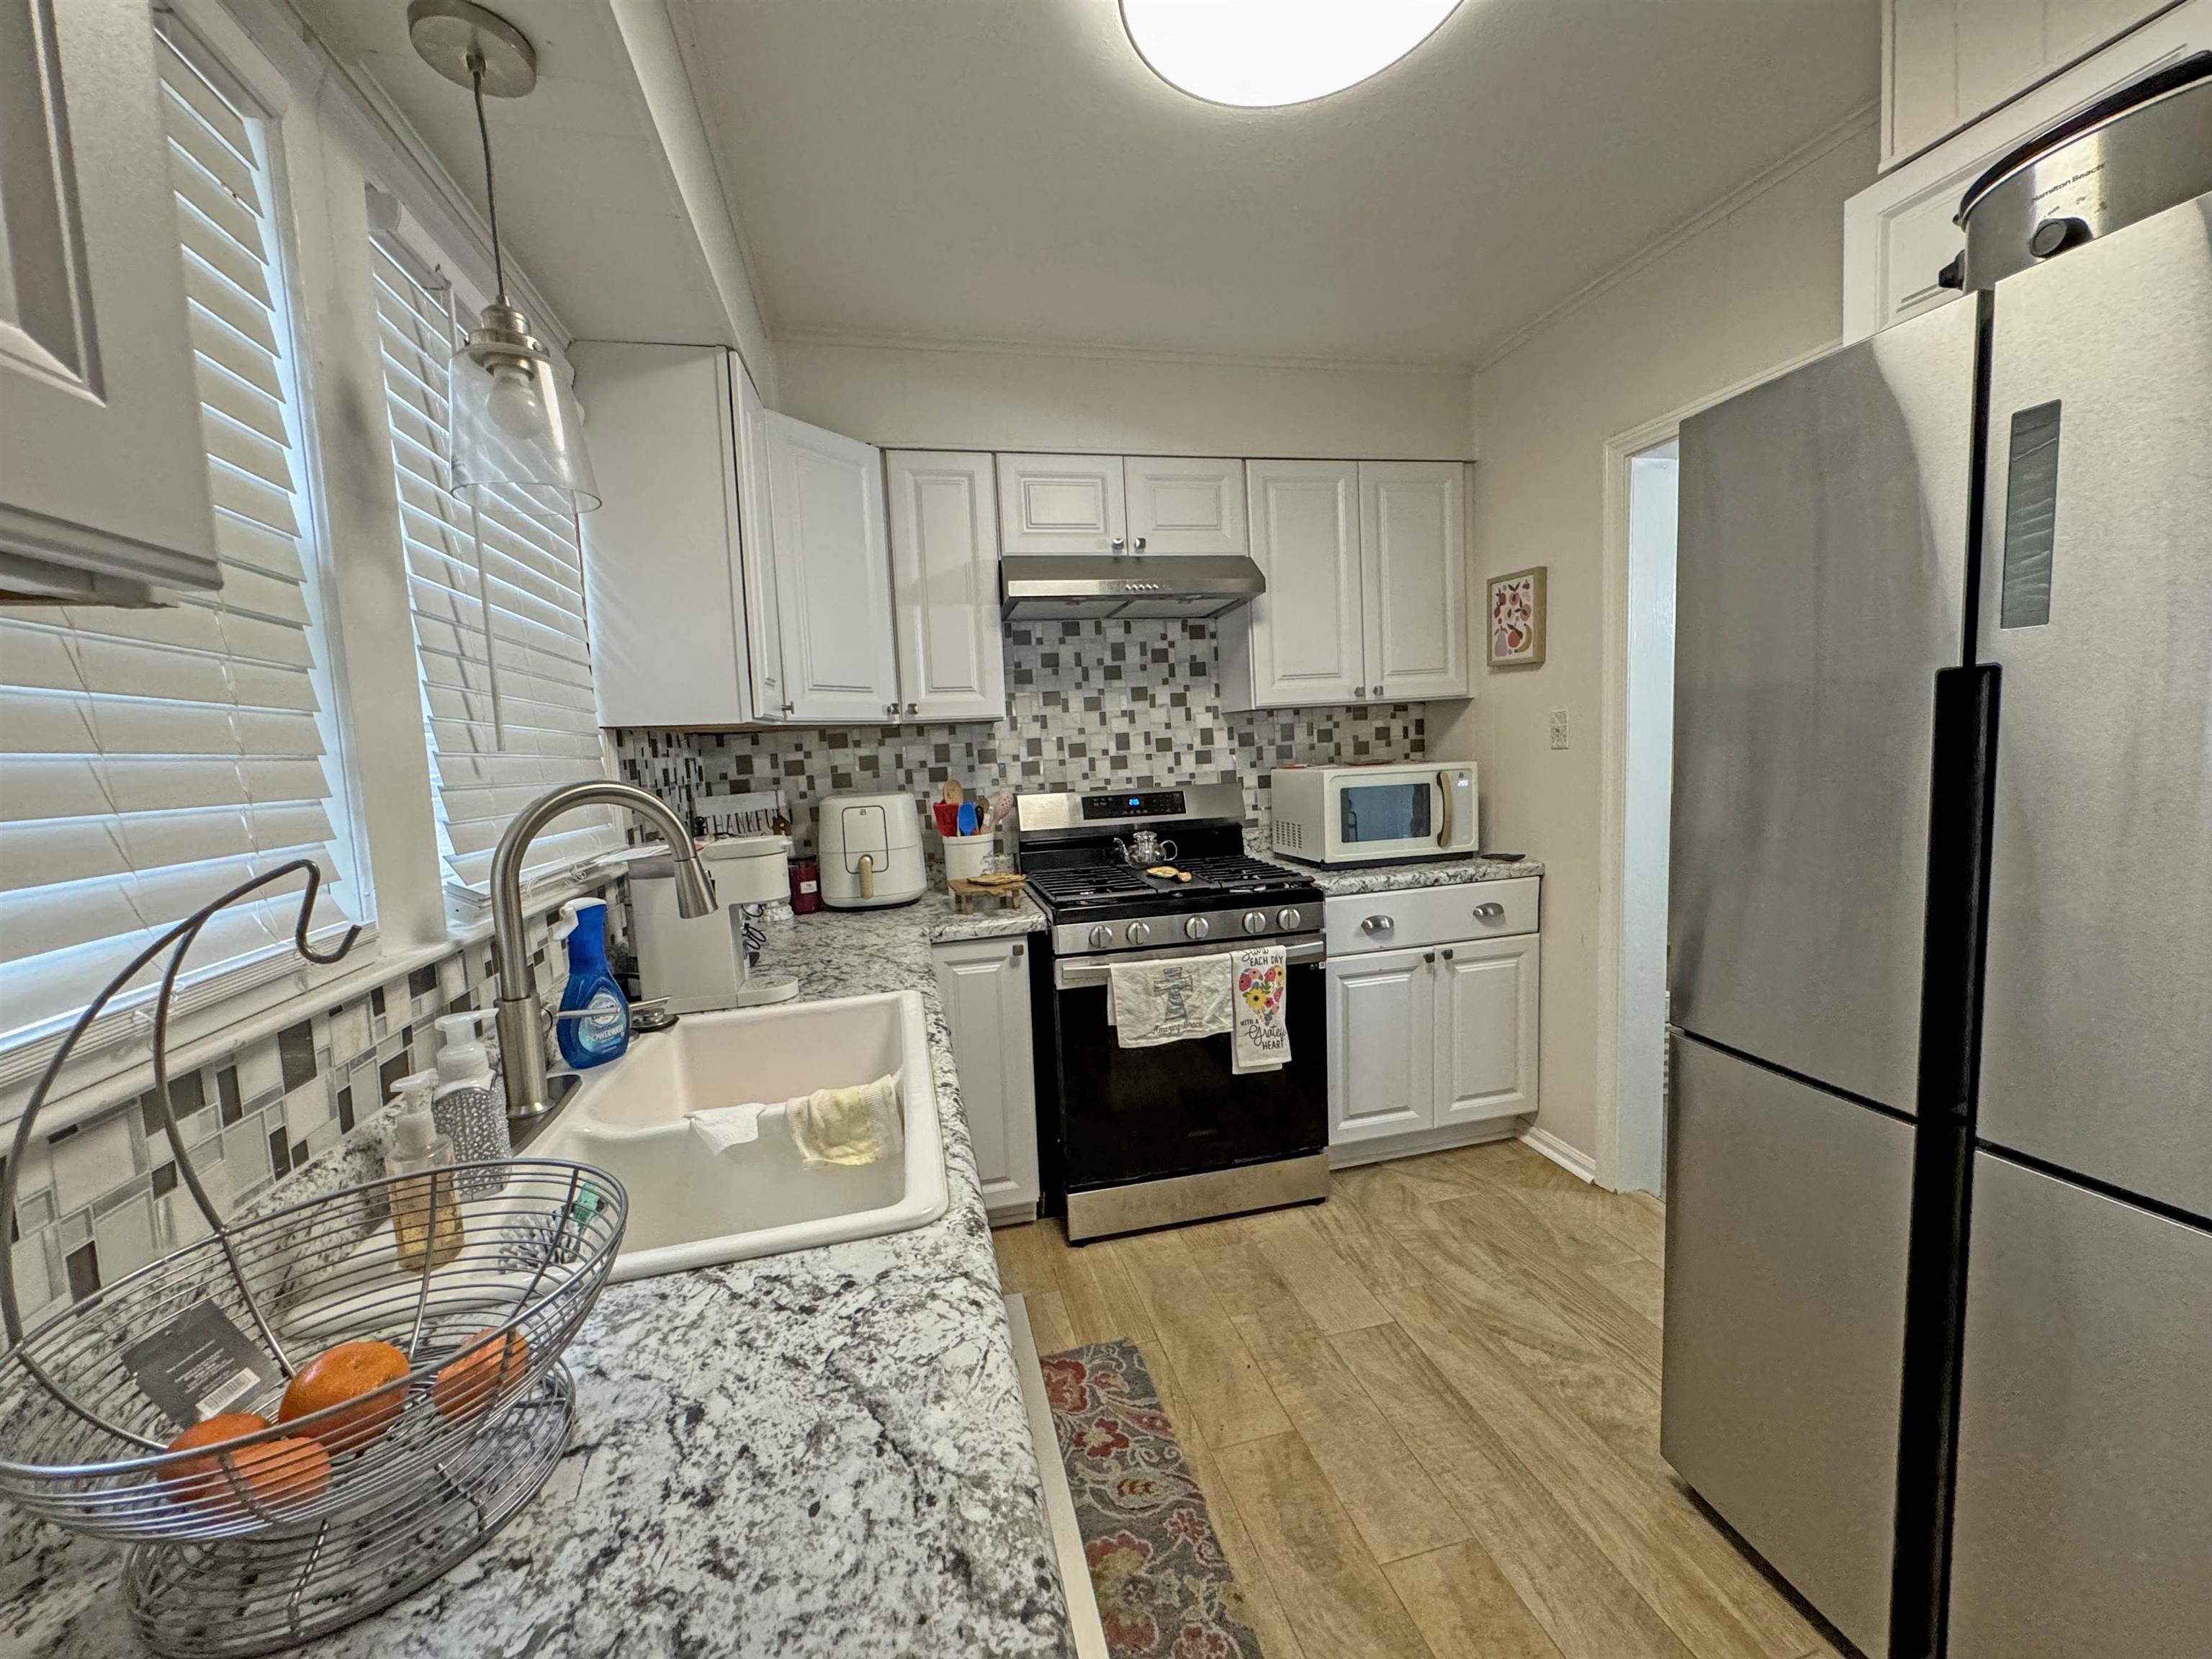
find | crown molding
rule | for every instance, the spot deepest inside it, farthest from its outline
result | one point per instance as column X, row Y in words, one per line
column 1104, row 352
column 1860, row 120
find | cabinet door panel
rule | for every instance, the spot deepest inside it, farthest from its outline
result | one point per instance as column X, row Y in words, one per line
column 1487, row 1029
column 1061, row 504
column 1185, row 505
column 833, row 572
column 771, row 693
column 663, row 546
column 1381, row 1046
column 102, row 468
column 1413, row 550
column 945, row 586
column 1306, row 638
column 983, row 985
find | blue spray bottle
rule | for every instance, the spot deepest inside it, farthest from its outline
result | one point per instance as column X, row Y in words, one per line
column 595, row 1028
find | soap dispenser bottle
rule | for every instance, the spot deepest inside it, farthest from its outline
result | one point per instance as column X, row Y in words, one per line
column 426, row 1215
column 593, row 1023
column 468, row 1110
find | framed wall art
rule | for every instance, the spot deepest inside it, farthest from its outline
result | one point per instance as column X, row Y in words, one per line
column 1517, row 618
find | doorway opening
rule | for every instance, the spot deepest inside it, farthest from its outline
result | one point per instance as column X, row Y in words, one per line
column 1646, row 787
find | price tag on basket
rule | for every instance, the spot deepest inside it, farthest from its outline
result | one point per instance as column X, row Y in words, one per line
column 198, row 1364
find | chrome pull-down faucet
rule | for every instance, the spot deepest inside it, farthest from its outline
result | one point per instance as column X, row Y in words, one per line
column 521, row 1018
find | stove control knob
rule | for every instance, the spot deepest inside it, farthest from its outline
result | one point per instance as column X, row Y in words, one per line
column 1286, row 920
column 1197, row 927
column 1140, row 932
column 1100, row 936
column 1255, row 921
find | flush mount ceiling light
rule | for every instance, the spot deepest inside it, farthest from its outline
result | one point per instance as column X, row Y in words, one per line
column 1259, row 53
column 517, row 434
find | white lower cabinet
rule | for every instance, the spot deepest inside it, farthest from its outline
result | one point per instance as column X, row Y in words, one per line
column 1428, row 1039
column 984, row 986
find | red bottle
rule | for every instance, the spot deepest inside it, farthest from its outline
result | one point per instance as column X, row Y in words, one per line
column 805, row 886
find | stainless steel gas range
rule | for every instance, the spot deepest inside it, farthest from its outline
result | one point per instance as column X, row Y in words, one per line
column 1131, row 1138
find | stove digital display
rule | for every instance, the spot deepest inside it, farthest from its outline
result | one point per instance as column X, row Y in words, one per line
column 1148, row 804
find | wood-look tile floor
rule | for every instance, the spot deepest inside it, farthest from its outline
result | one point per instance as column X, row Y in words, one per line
column 1425, row 1414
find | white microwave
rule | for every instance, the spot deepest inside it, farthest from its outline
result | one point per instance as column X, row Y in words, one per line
column 1371, row 814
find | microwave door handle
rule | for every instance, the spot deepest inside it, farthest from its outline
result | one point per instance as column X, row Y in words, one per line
column 1443, row 801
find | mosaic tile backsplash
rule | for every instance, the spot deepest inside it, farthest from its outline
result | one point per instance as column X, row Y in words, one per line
column 102, row 1198
column 1090, row 705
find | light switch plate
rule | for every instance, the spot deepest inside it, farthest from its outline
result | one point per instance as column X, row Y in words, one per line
column 1558, row 729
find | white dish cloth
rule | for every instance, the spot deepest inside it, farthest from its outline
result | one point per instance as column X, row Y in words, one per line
column 858, row 1124
column 1150, row 1003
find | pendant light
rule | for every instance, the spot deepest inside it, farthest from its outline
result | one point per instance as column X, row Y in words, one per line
column 518, row 435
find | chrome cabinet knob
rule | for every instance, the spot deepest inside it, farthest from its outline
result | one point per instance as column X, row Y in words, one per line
column 1197, row 927
column 1118, row 543
column 1428, row 955
column 1140, row 543
column 1491, row 912
column 1379, row 924
column 1140, row 932
column 789, row 707
column 1448, row 956
column 1255, row 921
column 914, row 708
column 1100, row 936
column 1287, row 919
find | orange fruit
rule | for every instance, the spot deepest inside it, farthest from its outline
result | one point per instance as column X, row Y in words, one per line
column 349, row 1371
column 468, row 1386
column 275, row 1475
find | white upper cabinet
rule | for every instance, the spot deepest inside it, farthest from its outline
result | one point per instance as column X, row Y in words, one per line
column 1303, row 636
column 1414, row 556
column 1949, row 62
column 103, row 477
column 945, row 586
column 1366, row 599
column 1062, row 504
column 764, row 635
column 1179, row 504
column 667, row 615
column 832, row 573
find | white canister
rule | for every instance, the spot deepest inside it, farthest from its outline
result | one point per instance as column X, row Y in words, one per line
column 966, row 857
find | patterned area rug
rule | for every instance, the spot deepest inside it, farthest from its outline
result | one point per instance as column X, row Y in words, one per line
column 1164, row 1589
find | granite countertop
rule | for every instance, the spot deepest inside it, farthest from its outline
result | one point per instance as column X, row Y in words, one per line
column 823, row 1453
column 1396, row 877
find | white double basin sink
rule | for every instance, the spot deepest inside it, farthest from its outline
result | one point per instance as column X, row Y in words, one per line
column 691, row 1205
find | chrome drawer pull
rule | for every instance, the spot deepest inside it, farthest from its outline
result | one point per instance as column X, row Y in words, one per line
column 1378, row 925
column 1491, row 912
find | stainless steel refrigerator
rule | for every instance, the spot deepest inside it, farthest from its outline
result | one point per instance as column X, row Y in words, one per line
column 1939, row 1251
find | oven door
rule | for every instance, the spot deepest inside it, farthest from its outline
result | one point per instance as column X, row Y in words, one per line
column 1116, row 1116
column 1378, row 815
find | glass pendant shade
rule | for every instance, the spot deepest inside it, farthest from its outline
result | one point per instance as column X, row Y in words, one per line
column 518, row 433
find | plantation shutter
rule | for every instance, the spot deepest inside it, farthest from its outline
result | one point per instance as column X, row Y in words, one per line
column 150, row 759
column 498, row 599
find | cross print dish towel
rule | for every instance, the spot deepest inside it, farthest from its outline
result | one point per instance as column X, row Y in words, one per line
column 1243, row 994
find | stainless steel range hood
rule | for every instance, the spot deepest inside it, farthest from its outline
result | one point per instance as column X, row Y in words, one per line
column 1062, row 586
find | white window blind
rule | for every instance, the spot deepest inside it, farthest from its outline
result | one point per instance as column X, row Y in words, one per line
column 498, row 599
column 151, row 759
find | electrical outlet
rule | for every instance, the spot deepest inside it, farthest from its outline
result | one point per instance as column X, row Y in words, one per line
column 1558, row 729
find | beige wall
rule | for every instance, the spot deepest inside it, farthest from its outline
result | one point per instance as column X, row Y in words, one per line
column 1122, row 405
column 1746, row 293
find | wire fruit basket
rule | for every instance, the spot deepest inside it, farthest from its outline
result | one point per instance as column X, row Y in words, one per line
column 375, row 1372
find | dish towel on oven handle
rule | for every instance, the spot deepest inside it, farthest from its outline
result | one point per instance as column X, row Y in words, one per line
column 1150, row 1003
column 1262, row 1039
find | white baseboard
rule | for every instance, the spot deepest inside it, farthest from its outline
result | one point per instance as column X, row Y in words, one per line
column 1354, row 1153
column 1574, row 1161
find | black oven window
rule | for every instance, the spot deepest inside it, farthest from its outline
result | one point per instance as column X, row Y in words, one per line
column 1383, row 811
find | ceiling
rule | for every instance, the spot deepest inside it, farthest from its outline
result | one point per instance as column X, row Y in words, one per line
column 588, row 206
column 1009, row 170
